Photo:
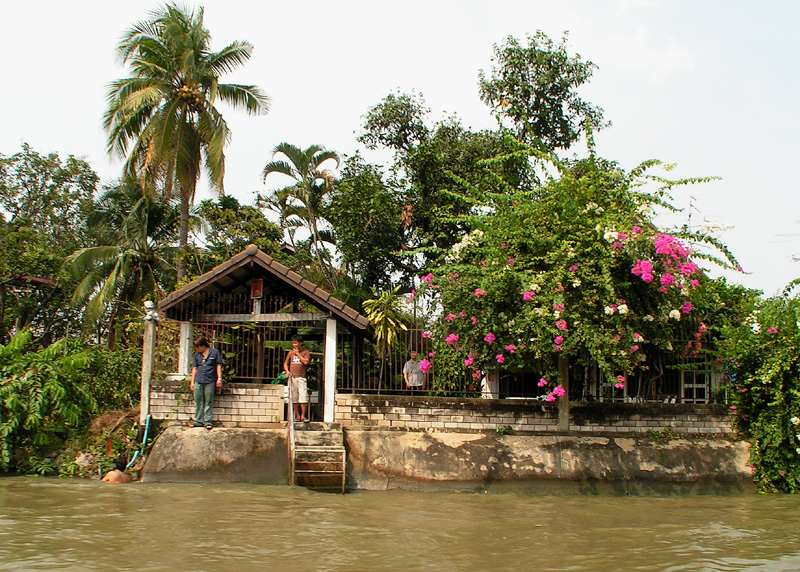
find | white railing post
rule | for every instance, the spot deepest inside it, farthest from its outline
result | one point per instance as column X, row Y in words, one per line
column 148, row 359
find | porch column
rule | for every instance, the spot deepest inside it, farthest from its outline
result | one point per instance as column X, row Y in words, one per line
column 329, row 373
column 185, row 349
column 490, row 385
column 148, row 359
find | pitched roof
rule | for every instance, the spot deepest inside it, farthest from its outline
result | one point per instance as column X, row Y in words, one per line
column 253, row 263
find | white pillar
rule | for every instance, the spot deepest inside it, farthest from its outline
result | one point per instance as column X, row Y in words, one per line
column 329, row 374
column 185, row 349
column 148, row 358
column 490, row 385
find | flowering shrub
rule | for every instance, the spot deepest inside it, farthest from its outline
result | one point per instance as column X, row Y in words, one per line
column 762, row 362
column 576, row 270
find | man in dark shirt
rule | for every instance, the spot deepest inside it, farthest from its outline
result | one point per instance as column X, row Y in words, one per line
column 206, row 375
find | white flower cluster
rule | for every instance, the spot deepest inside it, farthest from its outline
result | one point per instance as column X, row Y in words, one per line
column 795, row 421
column 458, row 250
column 675, row 315
column 611, row 235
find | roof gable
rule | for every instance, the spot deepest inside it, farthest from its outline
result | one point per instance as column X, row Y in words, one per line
column 237, row 271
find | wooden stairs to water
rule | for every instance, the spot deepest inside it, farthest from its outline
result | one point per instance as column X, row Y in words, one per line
column 320, row 459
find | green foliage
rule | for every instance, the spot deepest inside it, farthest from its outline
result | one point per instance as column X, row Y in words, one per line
column 163, row 118
column 47, row 395
column 43, row 205
column 41, row 395
column 762, row 360
column 576, row 269
column 132, row 261
column 534, row 86
column 302, row 203
column 385, row 315
column 233, row 226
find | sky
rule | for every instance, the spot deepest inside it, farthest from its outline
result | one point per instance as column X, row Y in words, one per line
column 712, row 86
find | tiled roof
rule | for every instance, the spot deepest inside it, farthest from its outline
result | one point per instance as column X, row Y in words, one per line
column 253, row 263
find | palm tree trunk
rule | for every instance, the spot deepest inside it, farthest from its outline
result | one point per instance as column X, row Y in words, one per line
column 183, row 238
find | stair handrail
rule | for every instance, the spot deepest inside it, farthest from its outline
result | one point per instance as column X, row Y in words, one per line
column 290, row 436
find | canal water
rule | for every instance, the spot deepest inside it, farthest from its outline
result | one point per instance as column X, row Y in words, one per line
column 51, row 524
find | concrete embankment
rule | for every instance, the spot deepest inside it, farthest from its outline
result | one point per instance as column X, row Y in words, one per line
column 380, row 459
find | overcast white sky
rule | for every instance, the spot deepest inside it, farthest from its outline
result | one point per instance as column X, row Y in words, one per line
column 713, row 86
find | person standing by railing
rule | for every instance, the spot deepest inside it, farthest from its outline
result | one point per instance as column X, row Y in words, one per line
column 206, row 374
column 412, row 373
column 295, row 365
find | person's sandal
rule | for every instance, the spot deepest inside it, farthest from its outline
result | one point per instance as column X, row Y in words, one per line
column 305, row 419
column 209, row 426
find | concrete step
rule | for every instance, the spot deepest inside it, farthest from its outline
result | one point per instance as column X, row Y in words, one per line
column 319, row 454
column 333, row 482
column 319, row 438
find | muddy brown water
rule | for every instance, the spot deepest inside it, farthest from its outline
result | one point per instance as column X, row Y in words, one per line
column 52, row 524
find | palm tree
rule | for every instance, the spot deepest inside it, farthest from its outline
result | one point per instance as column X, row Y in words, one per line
column 304, row 200
column 132, row 262
column 163, row 118
column 385, row 313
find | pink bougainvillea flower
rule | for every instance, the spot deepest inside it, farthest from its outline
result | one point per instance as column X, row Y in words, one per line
column 694, row 283
column 550, row 397
column 479, row 293
column 489, row 338
column 450, row 317
column 557, row 348
column 431, row 355
column 558, row 340
column 411, row 296
column 667, row 279
column 619, row 385
column 511, row 348
column 426, row 335
column 474, row 320
column 559, row 391
column 561, row 324
column 424, row 366
column 542, row 382
column 469, row 361
column 462, row 315
column 772, row 330
column 739, row 268
column 499, row 358
column 427, row 278
column 503, row 245
column 452, row 339
column 620, row 378
column 663, row 290
column 558, row 307
column 510, row 261
column 634, row 349
column 528, row 296
column 733, row 408
column 636, row 229
column 686, row 308
column 573, row 268
column 617, row 245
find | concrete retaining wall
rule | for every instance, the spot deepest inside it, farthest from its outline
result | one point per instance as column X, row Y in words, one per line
column 380, row 459
column 446, row 413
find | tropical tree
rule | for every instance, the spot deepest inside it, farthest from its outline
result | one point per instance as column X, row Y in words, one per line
column 43, row 204
column 385, row 315
column 133, row 260
column 534, row 86
column 163, row 118
column 304, row 201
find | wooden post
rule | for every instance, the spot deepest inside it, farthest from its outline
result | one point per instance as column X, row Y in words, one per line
column 563, row 402
column 329, row 365
column 148, row 359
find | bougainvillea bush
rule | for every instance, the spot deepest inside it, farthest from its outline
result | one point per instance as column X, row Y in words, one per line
column 762, row 361
column 574, row 269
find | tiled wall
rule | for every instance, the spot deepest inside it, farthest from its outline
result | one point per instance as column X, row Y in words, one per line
column 528, row 415
column 235, row 405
